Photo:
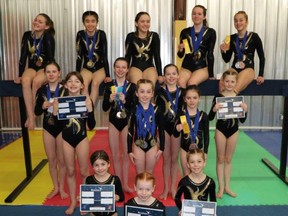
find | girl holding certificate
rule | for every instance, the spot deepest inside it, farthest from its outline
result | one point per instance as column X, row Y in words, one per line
column 226, row 134
column 193, row 124
column 243, row 44
column 118, row 97
column 74, row 134
column 92, row 62
column 52, row 136
column 38, row 47
column 169, row 97
column 197, row 45
column 146, row 120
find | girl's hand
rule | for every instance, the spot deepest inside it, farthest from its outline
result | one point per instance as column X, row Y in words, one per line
column 161, row 79
column 179, row 127
column 244, row 106
column 46, row 105
column 122, row 98
column 132, row 157
column 112, row 97
column 55, row 106
column 260, row 80
column 18, row 80
column 224, row 47
column 158, row 154
column 217, row 107
column 88, row 102
column 107, row 79
column 117, row 197
column 179, row 213
column 181, row 47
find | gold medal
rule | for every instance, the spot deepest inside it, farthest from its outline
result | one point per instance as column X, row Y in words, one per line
column 138, row 142
column 197, row 55
column 240, row 65
column 39, row 61
column 153, row 142
column 123, row 114
column 51, row 120
column 192, row 146
column 90, row 64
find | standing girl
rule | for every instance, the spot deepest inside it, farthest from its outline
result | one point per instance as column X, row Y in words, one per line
column 193, row 125
column 145, row 120
column 226, row 134
column 169, row 97
column 197, row 44
column 38, row 46
column 120, row 104
column 75, row 141
column 92, row 61
column 196, row 185
column 142, row 49
column 52, row 137
column 101, row 163
column 243, row 44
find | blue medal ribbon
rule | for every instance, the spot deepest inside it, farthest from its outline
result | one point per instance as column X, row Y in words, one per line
column 193, row 131
column 90, row 51
column 196, row 41
column 144, row 126
column 48, row 91
column 120, row 105
column 240, row 50
column 37, row 46
column 174, row 105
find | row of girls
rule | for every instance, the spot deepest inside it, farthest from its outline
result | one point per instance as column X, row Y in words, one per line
column 143, row 70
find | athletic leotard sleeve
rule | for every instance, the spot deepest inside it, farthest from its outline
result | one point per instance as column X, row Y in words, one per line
column 210, row 52
column 118, row 189
column 157, row 59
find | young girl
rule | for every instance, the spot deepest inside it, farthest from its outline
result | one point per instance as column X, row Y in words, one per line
column 38, row 46
column 169, row 97
column 197, row 47
column 145, row 120
column 52, row 137
column 101, row 163
column 119, row 104
column 226, row 134
column 92, row 59
column 196, row 185
column 143, row 50
column 144, row 187
column 75, row 141
column 243, row 44
column 193, row 125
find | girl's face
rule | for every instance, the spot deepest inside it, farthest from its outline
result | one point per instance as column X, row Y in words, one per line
column 192, row 99
column 121, row 69
column 101, row 167
column 230, row 82
column 198, row 16
column 143, row 23
column 144, row 189
column 240, row 22
column 74, row 86
column 39, row 24
column 196, row 163
column 171, row 75
column 90, row 23
column 52, row 73
column 145, row 93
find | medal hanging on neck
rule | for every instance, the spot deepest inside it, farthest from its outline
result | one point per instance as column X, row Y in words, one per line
column 193, row 130
column 240, row 51
column 37, row 47
column 173, row 111
column 90, row 50
column 146, row 125
column 50, row 99
column 121, row 113
column 196, row 41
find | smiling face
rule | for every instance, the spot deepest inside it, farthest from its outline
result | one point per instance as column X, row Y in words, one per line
column 230, row 82
column 240, row 21
column 145, row 92
column 144, row 189
column 171, row 75
column 39, row 24
column 121, row 68
column 52, row 73
column 74, row 85
column 90, row 23
column 196, row 163
column 198, row 15
column 143, row 23
column 101, row 167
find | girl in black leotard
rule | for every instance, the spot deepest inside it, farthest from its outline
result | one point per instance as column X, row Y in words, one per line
column 243, row 44
column 197, row 44
column 118, row 98
column 38, row 47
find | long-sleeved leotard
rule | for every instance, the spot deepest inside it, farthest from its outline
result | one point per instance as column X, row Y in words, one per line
column 253, row 43
column 132, row 126
column 50, row 122
column 99, row 56
column 119, row 123
column 155, row 204
column 28, row 50
column 140, row 52
column 226, row 126
column 202, row 138
column 112, row 180
column 206, row 49
column 170, row 115
column 195, row 191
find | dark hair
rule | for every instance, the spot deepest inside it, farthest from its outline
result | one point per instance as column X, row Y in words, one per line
column 139, row 15
column 205, row 23
column 170, row 65
column 144, row 81
column 49, row 23
column 99, row 154
column 52, row 63
column 90, row 13
column 192, row 88
column 145, row 176
column 195, row 151
column 242, row 12
column 74, row 73
column 230, row 71
column 121, row 59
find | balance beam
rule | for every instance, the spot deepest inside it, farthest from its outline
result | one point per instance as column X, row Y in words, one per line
column 9, row 89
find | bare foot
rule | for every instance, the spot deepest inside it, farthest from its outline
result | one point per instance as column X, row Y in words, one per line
column 164, row 195
column 52, row 194
column 219, row 195
column 230, row 193
column 71, row 209
column 63, row 194
column 128, row 189
column 173, row 192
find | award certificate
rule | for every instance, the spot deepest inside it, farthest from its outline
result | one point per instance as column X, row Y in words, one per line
column 139, row 210
column 198, row 208
column 72, row 107
column 97, row 198
column 231, row 107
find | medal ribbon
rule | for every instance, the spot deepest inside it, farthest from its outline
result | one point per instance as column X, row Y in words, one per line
column 174, row 105
column 48, row 91
column 142, row 119
column 193, row 132
column 197, row 40
column 90, row 51
column 120, row 105
column 37, row 50
column 240, row 50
